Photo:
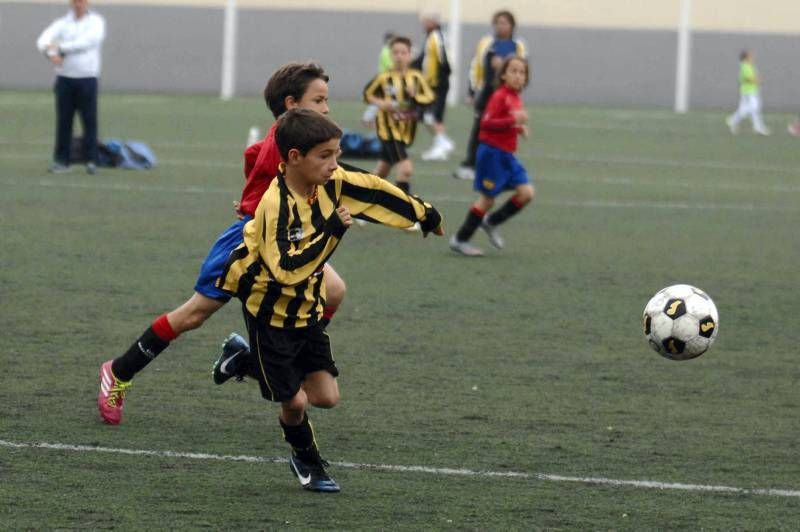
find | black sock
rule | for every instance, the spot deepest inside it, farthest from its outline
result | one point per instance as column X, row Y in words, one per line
column 471, row 223
column 138, row 355
column 509, row 209
column 301, row 438
column 405, row 186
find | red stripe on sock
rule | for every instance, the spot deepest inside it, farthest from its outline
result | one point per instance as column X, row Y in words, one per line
column 477, row 212
column 163, row 329
column 328, row 312
column 518, row 203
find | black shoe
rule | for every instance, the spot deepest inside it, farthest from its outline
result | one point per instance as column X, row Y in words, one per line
column 231, row 361
column 312, row 475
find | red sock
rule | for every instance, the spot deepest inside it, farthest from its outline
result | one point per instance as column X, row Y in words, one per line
column 163, row 329
column 328, row 312
column 477, row 212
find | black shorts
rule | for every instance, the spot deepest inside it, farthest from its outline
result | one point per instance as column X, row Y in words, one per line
column 393, row 151
column 283, row 357
column 439, row 104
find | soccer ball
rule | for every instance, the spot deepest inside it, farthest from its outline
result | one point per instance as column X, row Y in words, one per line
column 680, row 322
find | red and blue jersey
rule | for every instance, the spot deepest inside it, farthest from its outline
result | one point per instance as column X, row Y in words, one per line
column 261, row 162
column 498, row 126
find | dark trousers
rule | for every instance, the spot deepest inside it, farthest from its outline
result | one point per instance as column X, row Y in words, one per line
column 75, row 94
column 472, row 145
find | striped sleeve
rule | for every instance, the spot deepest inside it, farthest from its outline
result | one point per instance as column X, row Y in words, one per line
column 371, row 198
column 424, row 93
column 373, row 88
column 289, row 262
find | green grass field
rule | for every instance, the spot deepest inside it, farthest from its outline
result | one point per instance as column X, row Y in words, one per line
column 476, row 394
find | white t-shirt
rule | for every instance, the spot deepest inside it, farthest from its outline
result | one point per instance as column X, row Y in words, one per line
column 79, row 40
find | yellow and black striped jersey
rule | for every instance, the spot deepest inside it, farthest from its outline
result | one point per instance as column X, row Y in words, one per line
column 277, row 271
column 433, row 60
column 477, row 66
column 399, row 124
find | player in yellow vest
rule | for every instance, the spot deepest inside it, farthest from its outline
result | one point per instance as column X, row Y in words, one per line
column 749, row 97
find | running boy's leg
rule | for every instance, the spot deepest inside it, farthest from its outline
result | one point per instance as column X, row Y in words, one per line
column 405, row 169
column 518, row 180
column 116, row 374
column 335, row 290
column 291, row 367
column 474, row 217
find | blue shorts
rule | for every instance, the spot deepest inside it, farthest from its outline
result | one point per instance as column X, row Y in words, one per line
column 215, row 261
column 497, row 170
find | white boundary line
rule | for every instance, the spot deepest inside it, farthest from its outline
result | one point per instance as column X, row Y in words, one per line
column 441, row 471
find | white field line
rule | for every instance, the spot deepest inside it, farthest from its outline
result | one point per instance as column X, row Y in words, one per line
column 597, row 204
column 559, row 157
column 440, row 471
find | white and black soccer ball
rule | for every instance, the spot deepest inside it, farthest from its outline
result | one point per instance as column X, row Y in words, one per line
column 680, row 322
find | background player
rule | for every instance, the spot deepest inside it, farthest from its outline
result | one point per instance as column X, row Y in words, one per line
column 435, row 66
column 489, row 55
column 497, row 169
column 749, row 97
column 398, row 93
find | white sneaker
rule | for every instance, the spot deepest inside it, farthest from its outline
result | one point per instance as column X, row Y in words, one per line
column 733, row 126
column 436, row 153
column 491, row 231
column 447, row 144
column 360, row 222
column 465, row 248
column 58, row 168
column 764, row 132
column 413, row 228
column 464, row 172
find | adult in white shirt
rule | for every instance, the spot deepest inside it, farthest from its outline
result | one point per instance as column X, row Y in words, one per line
column 72, row 43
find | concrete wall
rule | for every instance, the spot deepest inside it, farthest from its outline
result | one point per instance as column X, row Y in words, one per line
column 177, row 48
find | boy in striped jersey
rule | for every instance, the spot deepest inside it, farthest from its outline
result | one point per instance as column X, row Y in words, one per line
column 397, row 94
column 278, row 274
column 293, row 85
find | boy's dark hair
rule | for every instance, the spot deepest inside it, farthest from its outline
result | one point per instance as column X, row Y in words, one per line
column 292, row 80
column 743, row 55
column 388, row 36
column 507, row 15
column 507, row 61
column 400, row 38
column 302, row 129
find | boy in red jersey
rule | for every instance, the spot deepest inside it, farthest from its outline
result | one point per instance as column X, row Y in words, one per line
column 293, row 85
column 496, row 168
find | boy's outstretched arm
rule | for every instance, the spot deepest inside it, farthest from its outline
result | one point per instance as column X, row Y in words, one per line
column 374, row 199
